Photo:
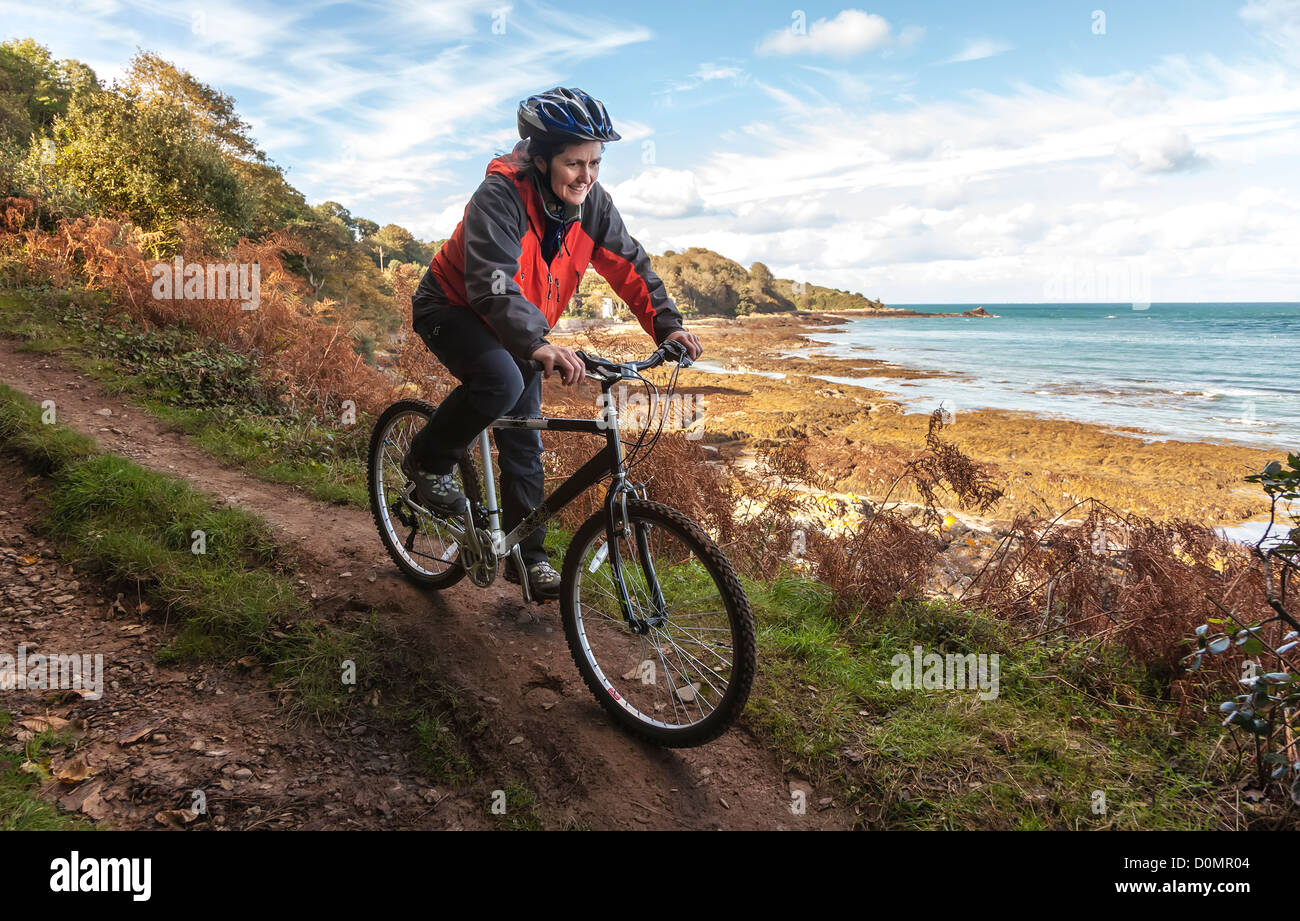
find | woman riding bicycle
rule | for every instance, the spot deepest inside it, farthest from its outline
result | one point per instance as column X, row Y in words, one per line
column 499, row 284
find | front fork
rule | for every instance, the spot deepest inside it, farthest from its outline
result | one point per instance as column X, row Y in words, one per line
column 617, row 524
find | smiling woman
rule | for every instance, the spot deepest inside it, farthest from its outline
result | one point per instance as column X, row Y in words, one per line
column 497, row 287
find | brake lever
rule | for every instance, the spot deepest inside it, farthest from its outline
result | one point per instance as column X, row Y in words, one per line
column 682, row 356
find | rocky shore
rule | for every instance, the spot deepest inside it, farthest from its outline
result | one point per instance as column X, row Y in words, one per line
column 759, row 385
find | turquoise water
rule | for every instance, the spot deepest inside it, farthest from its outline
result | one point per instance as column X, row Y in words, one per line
column 1193, row 372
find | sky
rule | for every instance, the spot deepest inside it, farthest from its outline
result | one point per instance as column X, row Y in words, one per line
column 917, row 152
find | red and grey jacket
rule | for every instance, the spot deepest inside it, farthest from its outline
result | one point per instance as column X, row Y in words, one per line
column 494, row 262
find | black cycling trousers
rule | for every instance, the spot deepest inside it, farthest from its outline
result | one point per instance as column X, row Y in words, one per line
column 493, row 384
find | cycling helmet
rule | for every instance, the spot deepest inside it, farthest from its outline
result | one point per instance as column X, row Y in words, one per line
column 565, row 113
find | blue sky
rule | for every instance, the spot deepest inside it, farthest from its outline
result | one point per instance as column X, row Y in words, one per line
column 916, row 152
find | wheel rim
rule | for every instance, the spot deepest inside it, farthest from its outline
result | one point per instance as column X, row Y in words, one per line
column 427, row 547
column 678, row 673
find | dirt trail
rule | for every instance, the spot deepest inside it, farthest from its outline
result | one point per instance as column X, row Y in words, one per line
column 157, row 738
column 509, row 661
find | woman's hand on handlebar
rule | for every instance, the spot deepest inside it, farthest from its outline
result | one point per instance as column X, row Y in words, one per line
column 689, row 340
column 563, row 361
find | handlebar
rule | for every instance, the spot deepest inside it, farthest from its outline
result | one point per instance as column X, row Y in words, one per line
column 601, row 368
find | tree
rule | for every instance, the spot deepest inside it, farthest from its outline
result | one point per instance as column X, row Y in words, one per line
column 396, row 242
column 327, row 239
column 332, row 209
column 35, row 89
column 272, row 202
column 150, row 77
column 366, row 228
column 145, row 158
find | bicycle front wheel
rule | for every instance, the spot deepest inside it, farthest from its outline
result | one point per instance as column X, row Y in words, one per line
column 685, row 679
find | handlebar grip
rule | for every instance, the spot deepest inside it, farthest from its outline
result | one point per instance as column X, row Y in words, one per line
column 678, row 352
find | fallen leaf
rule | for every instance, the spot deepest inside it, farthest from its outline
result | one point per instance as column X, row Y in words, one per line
column 516, row 740
column 73, row 800
column 94, row 806
column 44, row 724
column 247, row 661
column 175, row 818
column 74, row 772
column 70, row 694
column 27, row 560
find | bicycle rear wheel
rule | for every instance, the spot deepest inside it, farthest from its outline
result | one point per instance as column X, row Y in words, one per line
column 686, row 679
column 422, row 547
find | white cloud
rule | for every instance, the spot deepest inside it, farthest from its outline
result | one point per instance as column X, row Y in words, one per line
column 1118, row 180
column 976, row 49
column 848, row 32
column 945, row 194
column 659, row 192
column 1160, row 150
column 705, row 73
column 1278, row 21
column 930, row 201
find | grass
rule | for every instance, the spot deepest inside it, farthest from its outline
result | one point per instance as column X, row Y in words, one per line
column 441, row 720
column 236, row 598
column 21, row 809
column 43, row 446
column 1032, row 757
column 520, row 807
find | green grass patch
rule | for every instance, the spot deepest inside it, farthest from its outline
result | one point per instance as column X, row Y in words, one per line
column 1035, row 756
column 24, row 770
column 520, row 807
column 31, row 432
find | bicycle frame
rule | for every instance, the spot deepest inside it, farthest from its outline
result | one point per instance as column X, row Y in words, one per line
column 608, row 461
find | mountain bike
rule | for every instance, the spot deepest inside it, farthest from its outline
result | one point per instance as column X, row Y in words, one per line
column 655, row 618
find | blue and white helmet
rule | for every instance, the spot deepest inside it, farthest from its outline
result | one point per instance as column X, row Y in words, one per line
column 565, row 113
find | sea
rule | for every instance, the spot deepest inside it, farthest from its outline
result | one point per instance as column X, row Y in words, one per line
column 1195, row 372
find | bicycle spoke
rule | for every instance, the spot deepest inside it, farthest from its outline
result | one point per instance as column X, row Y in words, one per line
column 686, row 683
column 704, row 670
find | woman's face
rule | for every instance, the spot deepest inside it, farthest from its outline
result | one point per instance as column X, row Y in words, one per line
column 573, row 170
